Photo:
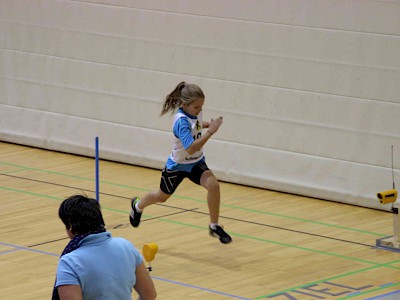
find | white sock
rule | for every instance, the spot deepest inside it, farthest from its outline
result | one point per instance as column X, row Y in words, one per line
column 213, row 225
column 137, row 208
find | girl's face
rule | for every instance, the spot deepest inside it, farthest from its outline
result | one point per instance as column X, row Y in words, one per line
column 194, row 108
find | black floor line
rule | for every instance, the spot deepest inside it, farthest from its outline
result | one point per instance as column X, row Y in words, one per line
column 171, row 214
column 154, row 218
column 47, row 242
column 287, row 229
column 116, row 226
column 194, row 211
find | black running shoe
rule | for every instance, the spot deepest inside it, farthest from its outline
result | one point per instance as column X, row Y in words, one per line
column 134, row 217
column 220, row 233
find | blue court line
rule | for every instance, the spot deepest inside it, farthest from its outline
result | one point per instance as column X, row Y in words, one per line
column 9, row 251
column 384, row 295
column 25, row 248
column 17, row 248
column 199, row 288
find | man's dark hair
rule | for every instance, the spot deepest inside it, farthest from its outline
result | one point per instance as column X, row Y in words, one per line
column 81, row 214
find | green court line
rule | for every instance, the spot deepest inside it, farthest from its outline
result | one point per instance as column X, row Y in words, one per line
column 244, row 236
column 375, row 265
column 318, row 281
column 46, row 171
column 286, row 245
column 330, row 279
column 29, row 193
column 201, row 201
column 57, row 199
column 335, row 277
column 286, row 217
column 370, row 291
column 307, row 221
column 13, row 171
column 24, row 168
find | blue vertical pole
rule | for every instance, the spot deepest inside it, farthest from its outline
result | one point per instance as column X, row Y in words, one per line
column 97, row 169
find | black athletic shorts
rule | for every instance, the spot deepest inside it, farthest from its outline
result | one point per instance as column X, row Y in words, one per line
column 170, row 179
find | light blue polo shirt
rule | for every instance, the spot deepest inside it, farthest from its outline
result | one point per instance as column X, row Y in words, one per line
column 103, row 266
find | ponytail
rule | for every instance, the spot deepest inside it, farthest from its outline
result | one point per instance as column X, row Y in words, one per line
column 173, row 100
column 183, row 93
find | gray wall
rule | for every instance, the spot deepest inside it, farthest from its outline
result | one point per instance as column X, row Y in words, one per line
column 309, row 89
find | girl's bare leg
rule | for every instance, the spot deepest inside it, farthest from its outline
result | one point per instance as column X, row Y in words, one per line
column 152, row 198
column 137, row 205
column 211, row 184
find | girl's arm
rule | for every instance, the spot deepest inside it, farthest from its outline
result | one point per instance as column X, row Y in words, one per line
column 213, row 127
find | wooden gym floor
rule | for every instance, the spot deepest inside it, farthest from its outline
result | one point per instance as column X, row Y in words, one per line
column 285, row 246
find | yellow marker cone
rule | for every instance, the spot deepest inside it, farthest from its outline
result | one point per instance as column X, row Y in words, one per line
column 149, row 251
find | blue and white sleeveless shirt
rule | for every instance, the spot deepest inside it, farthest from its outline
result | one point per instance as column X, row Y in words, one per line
column 186, row 129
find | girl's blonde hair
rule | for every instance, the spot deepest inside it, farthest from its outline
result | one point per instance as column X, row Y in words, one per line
column 183, row 93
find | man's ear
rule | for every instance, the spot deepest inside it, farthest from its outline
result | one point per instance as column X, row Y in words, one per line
column 69, row 228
